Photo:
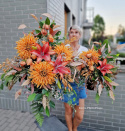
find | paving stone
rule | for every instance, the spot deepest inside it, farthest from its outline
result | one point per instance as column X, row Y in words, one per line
column 3, row 121
column 33, row 127
column 12, row 123
column 3, row 126
column 22, row 125
column 6, row 129
column 37, row 129
column 10, row 119
column 26, row 128
column 14, row 128
column 31, row 122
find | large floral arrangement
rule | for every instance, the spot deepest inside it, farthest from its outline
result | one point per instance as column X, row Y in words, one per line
column 44, row 63
column 97, row 68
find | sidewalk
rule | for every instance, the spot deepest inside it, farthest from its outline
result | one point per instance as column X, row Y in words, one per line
column 17, row 121
column 23, row 121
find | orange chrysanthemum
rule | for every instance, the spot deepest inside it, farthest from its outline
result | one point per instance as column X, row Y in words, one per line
column 90, row 57
column 24, row 46
column 65, row 51
column 42, row 74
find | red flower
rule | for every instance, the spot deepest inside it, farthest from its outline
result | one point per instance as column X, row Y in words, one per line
column 59, row 66
column 104, row 67
column 43, row 52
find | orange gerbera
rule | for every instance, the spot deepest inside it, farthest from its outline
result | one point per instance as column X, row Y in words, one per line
column 65, row 51
column 42, row 74
column 24, row 46
column 90, row 57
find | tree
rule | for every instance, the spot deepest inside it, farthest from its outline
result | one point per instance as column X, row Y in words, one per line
column 121, row 30
column 98, row 27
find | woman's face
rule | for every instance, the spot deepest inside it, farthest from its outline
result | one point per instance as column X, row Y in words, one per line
column 74, row 33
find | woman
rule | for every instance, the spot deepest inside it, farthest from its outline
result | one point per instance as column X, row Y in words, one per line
column 77, row 100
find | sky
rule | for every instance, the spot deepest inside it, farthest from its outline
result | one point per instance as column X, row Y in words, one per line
column 112, row 11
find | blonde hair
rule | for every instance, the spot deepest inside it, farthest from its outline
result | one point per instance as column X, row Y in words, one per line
column 76, row 27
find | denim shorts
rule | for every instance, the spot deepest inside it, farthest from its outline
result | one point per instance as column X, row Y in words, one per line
column 80, row 93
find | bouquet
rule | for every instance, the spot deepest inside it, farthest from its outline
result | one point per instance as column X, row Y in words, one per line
column 41, row 64
column 44, row 63
column 97, row 68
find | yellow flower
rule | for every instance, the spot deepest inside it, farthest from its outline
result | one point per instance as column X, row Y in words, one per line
column 90, row 57
column 65, row 51
column 42, row 74
column 24, row 46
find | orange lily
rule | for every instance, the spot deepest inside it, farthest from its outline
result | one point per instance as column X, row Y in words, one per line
column 59, row 66
column 104, row 67
column 43, row 52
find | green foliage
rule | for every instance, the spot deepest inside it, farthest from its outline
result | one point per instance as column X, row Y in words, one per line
column 58, row 84
column 41, row 24
column 114, row 87
column 47, row 21
column 9, row 78
column 98, row 27
column 47, row 111
column 121, row 54
column 58, row 33
column 2, row 76
column 1, row 86
column 44, row 91
column 39, row 118
column 38, row 97
column 115, row 56
column 47, row 93
column 97, row 98
column 37, row 31
column 37, row 109
column 31, row 97
column 52, row 104
column 52, row 24
column 106, row 41
column 107, row 78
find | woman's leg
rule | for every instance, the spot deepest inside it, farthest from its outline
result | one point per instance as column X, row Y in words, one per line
column 68, row 115
column 78, row 117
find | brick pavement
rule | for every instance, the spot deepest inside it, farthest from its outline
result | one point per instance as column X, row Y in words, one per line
column 11, row 120
column 17, row 121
